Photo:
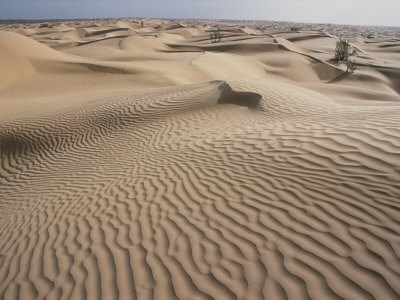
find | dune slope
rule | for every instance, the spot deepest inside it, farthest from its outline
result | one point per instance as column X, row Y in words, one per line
column 177, row 192
column 251, row 187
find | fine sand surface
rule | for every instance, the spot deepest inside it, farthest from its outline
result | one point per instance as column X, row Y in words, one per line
column 142, row 161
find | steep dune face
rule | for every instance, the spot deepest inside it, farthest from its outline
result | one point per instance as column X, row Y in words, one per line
column 16, row 54
column 134, row 167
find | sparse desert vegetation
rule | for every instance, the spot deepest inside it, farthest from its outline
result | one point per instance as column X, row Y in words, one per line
column 350, row 66
column 343, row 51
column 216, row 35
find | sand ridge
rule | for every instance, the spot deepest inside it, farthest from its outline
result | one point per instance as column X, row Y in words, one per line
column 144, row 162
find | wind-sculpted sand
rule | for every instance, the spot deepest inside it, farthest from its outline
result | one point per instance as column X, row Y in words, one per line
column 145, row 162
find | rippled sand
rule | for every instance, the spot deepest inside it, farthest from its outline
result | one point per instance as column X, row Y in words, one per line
column 145, row 162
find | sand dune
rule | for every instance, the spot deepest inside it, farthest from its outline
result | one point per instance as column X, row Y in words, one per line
column 145, row 162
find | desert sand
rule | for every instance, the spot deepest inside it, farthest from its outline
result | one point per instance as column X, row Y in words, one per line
column 139, row 160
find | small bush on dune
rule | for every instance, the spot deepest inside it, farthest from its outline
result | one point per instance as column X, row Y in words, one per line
column 343, row 51
column 139, row 22
column 216, row 35
column 351, row 66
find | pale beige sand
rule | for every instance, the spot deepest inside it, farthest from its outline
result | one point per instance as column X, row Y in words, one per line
column 148, row 163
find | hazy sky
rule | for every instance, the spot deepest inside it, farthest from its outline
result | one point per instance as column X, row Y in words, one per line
column 363, row 12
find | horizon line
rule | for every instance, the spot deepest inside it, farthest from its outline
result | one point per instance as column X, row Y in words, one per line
column 207, row 19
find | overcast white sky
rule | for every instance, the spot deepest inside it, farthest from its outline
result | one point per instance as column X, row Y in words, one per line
column 362, row 12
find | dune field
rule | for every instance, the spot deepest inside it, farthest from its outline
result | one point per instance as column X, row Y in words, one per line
column 140, row 160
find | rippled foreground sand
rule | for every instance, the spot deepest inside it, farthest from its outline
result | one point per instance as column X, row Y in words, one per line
column 145, row 162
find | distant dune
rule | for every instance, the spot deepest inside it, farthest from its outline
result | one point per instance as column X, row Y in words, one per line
column 139, row 160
